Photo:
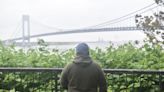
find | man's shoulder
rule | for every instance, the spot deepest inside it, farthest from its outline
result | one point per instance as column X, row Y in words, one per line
column 95, row 64
column 69, row 65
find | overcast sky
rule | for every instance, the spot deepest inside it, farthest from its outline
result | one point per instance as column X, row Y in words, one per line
column 66, row 14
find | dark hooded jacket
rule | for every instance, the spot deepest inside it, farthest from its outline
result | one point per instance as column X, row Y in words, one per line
column 83, row 75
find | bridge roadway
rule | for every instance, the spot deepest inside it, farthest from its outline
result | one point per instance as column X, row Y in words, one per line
column 54, row 43
column 80, row 31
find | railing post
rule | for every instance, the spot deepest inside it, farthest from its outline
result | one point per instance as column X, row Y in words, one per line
column 56, row 82
column 126, row 82
column 133, row 82
column 160, row 79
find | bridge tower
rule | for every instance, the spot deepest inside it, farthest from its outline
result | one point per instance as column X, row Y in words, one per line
column 25, row 30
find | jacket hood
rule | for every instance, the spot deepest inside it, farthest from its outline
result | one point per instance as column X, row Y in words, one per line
column 82, row 60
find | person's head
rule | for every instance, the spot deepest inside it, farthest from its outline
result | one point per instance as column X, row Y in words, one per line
column 82, row 49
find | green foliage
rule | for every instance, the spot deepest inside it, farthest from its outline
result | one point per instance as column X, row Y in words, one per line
column 126, row 56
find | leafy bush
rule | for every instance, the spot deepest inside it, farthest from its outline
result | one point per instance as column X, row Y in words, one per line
column 126, row 56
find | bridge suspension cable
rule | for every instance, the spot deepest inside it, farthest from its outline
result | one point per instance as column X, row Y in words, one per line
column 125, row 16
column 16, row 31
column 132, row 16
column 44, row 25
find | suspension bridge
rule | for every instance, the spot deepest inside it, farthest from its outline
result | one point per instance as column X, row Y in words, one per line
column 127, row 23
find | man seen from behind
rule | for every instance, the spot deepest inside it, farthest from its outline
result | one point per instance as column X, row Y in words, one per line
column 83, row 74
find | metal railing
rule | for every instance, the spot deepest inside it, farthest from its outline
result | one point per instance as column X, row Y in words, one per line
column 47, row 80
